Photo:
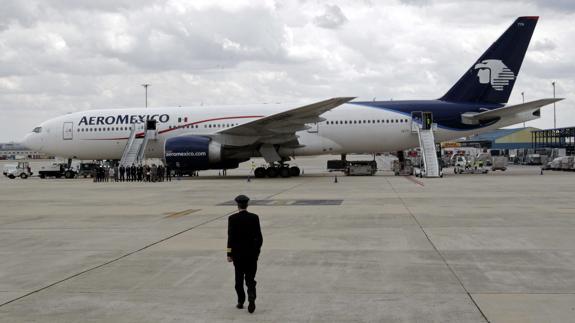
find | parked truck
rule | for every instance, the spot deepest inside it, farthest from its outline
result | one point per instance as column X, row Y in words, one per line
column 57, row 170
column 86, row 169
column 353, row 168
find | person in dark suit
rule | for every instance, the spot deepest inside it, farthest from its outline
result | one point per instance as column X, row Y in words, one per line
column 244, row 244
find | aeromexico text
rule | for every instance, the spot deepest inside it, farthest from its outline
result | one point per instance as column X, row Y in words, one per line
column 122, row 119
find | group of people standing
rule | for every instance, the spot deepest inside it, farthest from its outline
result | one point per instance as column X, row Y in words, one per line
column 133, row 173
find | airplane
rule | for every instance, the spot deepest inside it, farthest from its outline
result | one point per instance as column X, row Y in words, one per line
column 222, row 137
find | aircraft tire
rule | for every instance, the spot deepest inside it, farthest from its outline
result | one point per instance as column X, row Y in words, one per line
column 260, row 172
column 272, row 172
column 294, row 171
column 284, row 172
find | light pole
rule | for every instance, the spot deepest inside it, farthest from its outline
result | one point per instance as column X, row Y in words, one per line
column 523, row 96
column 146, row 88
column 554, row 113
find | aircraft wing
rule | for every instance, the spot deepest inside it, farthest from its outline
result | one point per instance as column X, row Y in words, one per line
column 473, row 118
column 280, row 127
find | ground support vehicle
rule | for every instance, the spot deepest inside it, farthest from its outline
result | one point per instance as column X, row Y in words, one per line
column 465, row 166
column 22, row 170
column 405, row 169
column 7, row 168
column 57, row 170
column 499, row 163
column 86, row 169
column 567, row 163
column 353, row 168
column 555, row 164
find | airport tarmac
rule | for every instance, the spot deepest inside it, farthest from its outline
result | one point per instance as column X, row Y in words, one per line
column 465, row 248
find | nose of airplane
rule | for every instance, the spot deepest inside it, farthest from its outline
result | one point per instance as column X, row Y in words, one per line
column 32, row 141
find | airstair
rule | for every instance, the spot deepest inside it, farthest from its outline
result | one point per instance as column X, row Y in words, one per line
column 427, row 144
column 429, row 153
column 134, row 152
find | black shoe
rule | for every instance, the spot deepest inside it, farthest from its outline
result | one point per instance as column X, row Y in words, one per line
column 240, row 306
column 251, row 307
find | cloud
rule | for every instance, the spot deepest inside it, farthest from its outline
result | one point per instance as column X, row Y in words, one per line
column 559, row 5
column 544, row 45
column 416, row 2
column 60, row 56
column 332, row 17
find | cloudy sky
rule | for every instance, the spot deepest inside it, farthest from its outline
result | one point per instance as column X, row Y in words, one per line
column 61, row 56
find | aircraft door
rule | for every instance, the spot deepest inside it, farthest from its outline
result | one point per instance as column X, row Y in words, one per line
column 151, row 124
column 68, row 131
column 416, row 120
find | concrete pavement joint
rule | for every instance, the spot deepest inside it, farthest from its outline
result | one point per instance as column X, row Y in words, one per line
column 437, row 251
column 287, row 189
column 114, row 260
column 133, row 252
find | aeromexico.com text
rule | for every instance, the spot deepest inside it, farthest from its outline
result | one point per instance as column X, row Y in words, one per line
column 122, row 119
column 186, row 154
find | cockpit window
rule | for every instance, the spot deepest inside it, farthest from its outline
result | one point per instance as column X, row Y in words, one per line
column 37, row 130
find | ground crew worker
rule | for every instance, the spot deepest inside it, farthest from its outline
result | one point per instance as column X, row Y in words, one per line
column 168, row 173
column 112, row 174
column 134, row 173
column 244, row 244
column 128, row 173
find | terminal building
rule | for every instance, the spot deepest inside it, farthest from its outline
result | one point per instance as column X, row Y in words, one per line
column 562, row 138
column 17, row 151
column 503, row 139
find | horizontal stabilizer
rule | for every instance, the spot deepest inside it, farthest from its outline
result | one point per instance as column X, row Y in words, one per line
column 475, row 118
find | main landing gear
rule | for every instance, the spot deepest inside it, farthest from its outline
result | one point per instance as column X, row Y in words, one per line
column 276, row 170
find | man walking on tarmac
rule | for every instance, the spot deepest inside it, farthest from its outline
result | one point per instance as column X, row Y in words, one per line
column 244, row 244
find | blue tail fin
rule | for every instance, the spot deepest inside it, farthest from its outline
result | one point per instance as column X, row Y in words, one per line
column 491, row 78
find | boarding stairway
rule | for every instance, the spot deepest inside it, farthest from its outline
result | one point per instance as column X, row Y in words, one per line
column 422, row 124
column 429, row 153
column 134, row 152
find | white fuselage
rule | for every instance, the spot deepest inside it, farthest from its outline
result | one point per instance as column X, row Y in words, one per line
column 103, row 134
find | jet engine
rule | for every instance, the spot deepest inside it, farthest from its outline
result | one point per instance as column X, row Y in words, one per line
column 196, row 153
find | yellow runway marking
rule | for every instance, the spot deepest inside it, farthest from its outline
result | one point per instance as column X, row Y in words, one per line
column 179, row 214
